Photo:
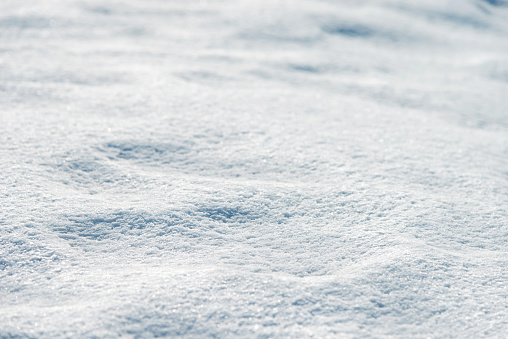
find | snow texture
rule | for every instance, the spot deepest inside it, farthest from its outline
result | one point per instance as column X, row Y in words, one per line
column 253, row 168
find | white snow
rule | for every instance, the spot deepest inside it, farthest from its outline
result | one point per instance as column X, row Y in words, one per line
column 253, row 168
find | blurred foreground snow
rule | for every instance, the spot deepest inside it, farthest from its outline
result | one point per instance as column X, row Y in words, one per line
column 253, row 168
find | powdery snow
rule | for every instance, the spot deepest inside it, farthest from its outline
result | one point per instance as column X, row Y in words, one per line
column 253, row 168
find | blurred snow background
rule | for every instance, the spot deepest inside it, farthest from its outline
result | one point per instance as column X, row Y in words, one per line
column 253, row 168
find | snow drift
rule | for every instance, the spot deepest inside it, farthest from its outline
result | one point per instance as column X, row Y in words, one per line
column 253, row 168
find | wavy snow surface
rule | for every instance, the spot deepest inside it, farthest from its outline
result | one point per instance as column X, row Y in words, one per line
column 253, row 168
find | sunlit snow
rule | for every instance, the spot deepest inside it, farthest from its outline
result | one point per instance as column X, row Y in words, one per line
column 253, row 168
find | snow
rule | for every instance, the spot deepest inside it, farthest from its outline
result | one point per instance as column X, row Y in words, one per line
column 253, row 168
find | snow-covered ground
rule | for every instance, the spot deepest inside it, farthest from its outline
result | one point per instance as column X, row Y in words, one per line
column 253, row 168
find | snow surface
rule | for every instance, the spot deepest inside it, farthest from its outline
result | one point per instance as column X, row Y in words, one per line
column 253, row 168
